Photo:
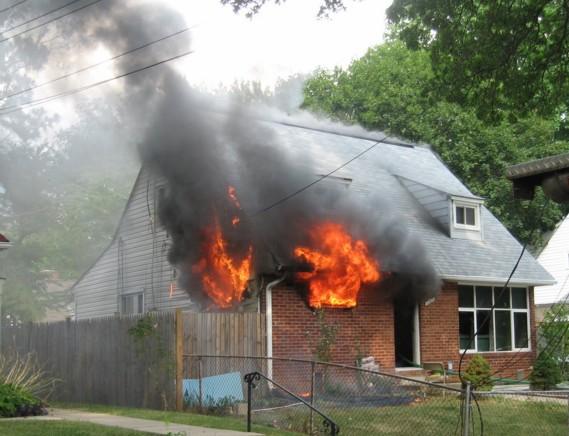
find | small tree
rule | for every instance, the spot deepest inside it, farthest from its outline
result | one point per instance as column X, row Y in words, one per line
column 545, row 373
column 326, row 338
column 554, row 338
column 479, row 373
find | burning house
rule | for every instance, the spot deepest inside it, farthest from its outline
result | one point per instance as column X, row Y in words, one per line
column 238, row 211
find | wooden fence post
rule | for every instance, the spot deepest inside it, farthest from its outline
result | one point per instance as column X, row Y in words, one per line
column 179, row 359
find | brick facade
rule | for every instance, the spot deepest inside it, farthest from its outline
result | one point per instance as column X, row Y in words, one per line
column 368, row 330
column 364, row 330
column 439, row 336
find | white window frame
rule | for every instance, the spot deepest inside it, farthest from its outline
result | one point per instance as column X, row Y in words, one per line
column 466, row 204
column 475, row 309
column 132, row 295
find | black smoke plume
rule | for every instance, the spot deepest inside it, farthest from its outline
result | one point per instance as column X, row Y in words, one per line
column 201, row 149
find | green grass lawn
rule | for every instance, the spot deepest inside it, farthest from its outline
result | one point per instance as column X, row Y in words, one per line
column 436, row 416
column 62, row 428
column 225, row 422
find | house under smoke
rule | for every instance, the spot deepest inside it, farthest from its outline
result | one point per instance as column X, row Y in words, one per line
column 399, row 254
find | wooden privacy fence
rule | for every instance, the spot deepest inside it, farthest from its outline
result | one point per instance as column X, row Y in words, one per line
column 133, row 361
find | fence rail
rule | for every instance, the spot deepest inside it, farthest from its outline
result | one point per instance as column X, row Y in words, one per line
column 198, row 361
column 130, row 360
column 123, row 361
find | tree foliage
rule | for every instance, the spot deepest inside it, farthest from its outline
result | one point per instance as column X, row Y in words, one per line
column 252, row 7
column 498, row 57
column 56, row 220
column 554, row 337
column 545, row 373
column 390, row 89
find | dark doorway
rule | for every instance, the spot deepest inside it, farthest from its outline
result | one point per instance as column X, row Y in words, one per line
column 404, row 318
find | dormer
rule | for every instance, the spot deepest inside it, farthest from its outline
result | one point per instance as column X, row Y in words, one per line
column 466, row 217
column 460, row 217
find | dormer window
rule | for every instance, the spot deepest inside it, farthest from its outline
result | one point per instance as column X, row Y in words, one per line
column 466, row 215
column 465, row 218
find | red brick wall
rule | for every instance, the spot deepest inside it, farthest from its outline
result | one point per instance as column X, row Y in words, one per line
column 367, row 327
column 439, row 336
column 368, row 330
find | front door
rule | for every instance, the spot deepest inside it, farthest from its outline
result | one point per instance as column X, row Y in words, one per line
column 406, row 336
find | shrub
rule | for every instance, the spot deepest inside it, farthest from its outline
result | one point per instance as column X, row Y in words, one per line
column 479, row 373
column 16, row 401
column 545, row 373
column 23, row 372
column 553, row 337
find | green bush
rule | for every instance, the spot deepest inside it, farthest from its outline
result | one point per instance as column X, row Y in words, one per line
column 545, row 373
column 25, row 373
column 15, row 401
column 479, row 373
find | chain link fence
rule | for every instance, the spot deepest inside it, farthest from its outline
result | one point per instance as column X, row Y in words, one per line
column 300, row 396
column 520, row 413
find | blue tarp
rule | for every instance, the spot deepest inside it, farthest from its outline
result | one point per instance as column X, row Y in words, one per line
column 214, row 388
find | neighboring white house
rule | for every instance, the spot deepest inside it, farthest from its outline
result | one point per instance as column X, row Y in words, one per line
column 555, row 259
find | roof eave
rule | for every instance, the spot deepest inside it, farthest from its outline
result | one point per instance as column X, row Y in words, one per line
column 494, row 280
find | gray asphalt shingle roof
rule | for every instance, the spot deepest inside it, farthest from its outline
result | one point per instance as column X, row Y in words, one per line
column 378, row 171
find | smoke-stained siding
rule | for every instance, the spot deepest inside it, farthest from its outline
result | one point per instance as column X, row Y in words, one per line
column 138, row 253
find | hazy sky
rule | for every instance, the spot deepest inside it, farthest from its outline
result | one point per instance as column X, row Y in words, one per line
column 280, row 41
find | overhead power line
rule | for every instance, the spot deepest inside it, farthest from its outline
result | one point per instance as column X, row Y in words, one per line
column 304, row 188
column 40, row 16
column 6, row 9
column 500, row 294
column 517, row 356
column 88, row 67
column 40, row 101
column 50, row 21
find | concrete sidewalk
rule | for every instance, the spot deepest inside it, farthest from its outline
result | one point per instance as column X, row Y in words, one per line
column 147, row 425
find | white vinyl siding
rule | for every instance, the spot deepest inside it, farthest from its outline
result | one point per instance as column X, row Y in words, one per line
column 141, row 261
column 555, row 259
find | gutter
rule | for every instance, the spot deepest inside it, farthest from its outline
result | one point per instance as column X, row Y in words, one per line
column 269, row 320
column 495, row 280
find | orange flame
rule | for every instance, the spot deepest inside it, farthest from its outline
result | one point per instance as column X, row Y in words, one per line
column 232, row 194
column 172, row 289
column 341, row 265
column 224, row 276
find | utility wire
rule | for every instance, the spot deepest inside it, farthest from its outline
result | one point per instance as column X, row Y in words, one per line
column 6, row 9
column 479, row 415
column 556, row 341
column 560, row 338
column 88, row 67
column 516, row 357
column 50, row 21
column 40, row 101
column 39, row 16
column 493, row 307
column 304, row 188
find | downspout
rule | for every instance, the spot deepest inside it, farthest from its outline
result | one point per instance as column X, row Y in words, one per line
column 269, row 319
